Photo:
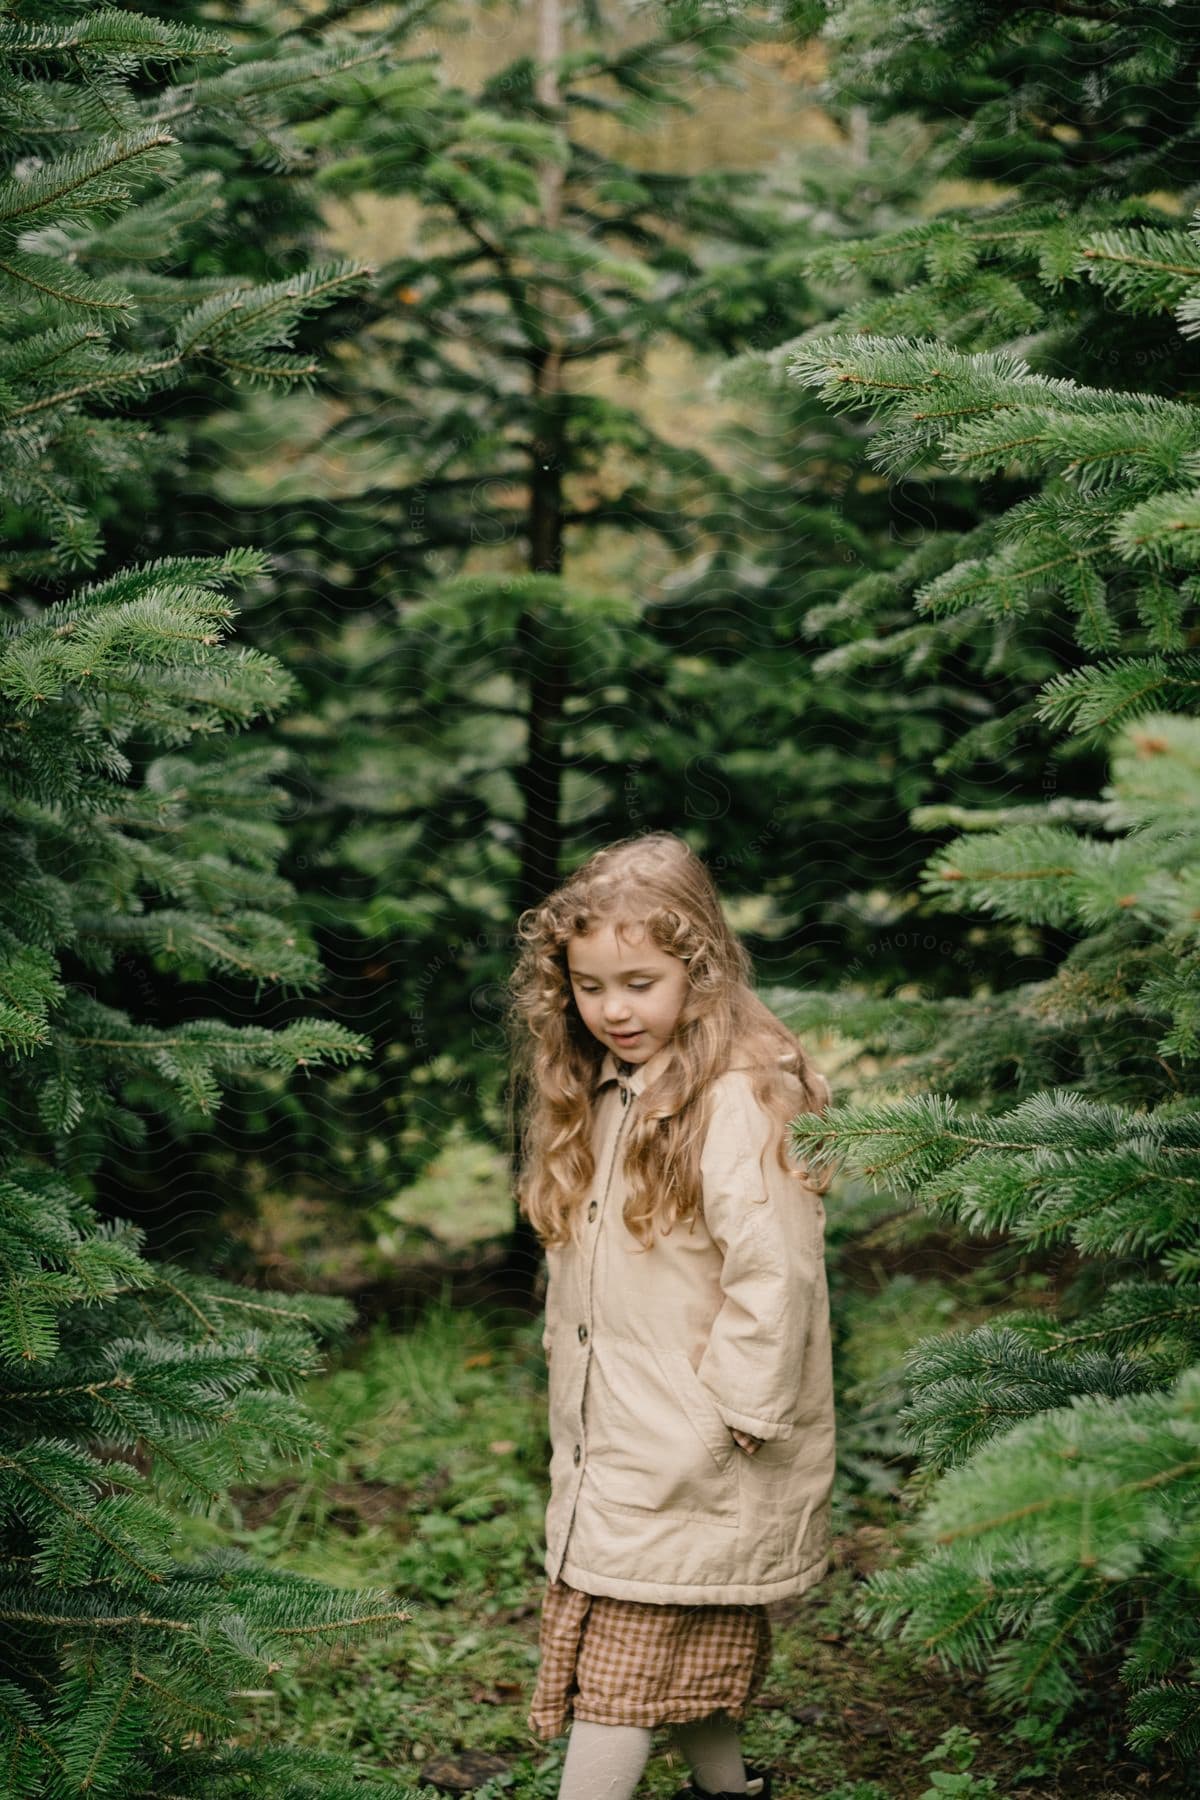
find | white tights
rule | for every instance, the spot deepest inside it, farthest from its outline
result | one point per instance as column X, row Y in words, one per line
column 605, row 1762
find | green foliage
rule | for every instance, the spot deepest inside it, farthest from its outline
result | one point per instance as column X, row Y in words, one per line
column 143, row 840
column 117, row 865
column 479, row 706
column 1033, row 345
column 957, row 1745
column 131, row 1388
column 422, row 1414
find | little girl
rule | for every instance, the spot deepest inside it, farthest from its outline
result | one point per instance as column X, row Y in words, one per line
column 687, row 1318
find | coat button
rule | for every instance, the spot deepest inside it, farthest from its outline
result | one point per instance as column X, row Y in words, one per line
column 624, row 1096
column 592, row 1210
column 578, row 1452
column 583, row 1334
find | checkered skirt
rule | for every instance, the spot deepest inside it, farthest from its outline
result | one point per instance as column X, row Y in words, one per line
column 635, row 1662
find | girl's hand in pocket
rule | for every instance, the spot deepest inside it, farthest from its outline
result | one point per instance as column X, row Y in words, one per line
column 745, row 1441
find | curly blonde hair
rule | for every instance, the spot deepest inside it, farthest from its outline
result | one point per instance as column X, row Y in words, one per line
column 653, row 880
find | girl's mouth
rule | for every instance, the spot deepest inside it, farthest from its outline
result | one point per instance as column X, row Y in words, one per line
column 625, row 1037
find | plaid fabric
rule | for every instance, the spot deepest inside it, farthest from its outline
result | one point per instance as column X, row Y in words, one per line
column 634, row 1662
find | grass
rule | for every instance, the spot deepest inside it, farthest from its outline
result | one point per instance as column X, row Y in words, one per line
column 435, row 1486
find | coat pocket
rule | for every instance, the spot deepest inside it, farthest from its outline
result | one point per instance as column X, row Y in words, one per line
column 699, row 1406
column 654, row 1438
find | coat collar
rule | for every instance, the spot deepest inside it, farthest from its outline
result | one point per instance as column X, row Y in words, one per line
column 641, row 1074
column 651, row 1069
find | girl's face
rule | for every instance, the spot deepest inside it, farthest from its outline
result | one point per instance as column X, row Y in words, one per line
column 628, row 991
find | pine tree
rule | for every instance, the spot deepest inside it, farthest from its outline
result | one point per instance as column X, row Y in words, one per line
column 244, row 212
column 844, row 755
column 545, row 258
column 475, row 699
column 1040, row 345
column 139, row 832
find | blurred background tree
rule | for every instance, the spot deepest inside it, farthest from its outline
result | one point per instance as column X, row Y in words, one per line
column 533, row 596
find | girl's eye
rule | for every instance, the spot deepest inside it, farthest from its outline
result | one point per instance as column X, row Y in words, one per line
column 637, row 986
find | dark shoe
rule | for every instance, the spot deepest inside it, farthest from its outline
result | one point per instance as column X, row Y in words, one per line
column 758, row 1787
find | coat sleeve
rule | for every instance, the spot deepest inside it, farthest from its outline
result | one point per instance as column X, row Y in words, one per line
column 769, row 1228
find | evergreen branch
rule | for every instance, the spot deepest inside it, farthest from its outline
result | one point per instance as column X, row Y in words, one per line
column 1109, row 694
column 146, row 233
column 97, row 1621
column 1176, row 1471
column 108, row 34
column 1120, row 260
column 52, row 1493
column 247, row 84
column 193, row 573
column 293, row 368
column 242, row 1044
column 1043, row 874
column 37, row 356
column 57, row 284
column 326, row 1627
column 971, row 1386
column 180, row 1703
column 105, row 1726
column 1163, row 531
column 84, row 182
column 269, row 312
column 178, row 1291
column 910, row 1140
column 1136, row 1312
column 129, row 377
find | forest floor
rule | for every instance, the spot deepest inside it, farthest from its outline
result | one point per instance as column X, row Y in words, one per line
column 434, row 1487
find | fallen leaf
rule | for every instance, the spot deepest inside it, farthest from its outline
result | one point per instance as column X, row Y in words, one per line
column 463, row 1772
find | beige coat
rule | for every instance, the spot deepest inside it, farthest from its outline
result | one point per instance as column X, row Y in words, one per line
column 653, row 1356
